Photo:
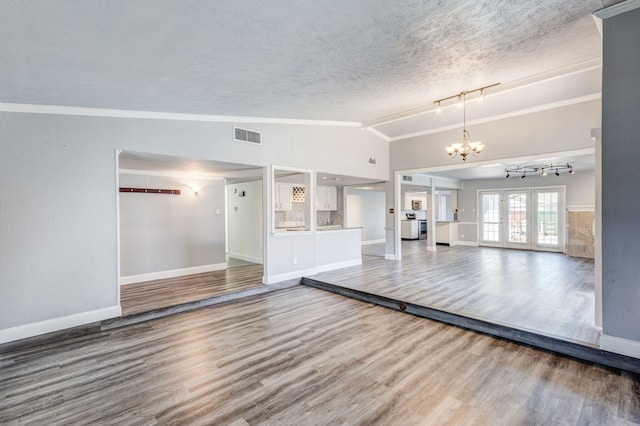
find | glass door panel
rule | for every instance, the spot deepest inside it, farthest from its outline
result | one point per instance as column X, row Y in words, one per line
column 548, row 218
column 517, row 215
column 491, row 218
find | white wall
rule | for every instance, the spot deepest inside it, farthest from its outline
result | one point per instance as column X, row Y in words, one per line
column 58, row 251
column 366, row 209
column 580, row 191
column 160, row 232
column 245, row 222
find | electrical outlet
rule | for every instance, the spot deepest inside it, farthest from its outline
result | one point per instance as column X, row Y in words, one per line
column 295, row 260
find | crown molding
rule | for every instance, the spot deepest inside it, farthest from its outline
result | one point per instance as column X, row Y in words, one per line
column 617, row 9
column 121, row 113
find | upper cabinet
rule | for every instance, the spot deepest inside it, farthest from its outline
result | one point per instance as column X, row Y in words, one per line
column 283, row 196
column 327, row 198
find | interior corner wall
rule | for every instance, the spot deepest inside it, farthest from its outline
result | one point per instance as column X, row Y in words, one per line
column 620, row 151
column 366, row 210
column 58, row 175
column 162, row 232
column 245, row 223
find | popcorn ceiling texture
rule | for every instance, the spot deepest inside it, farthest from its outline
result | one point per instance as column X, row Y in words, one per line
column 351, row 60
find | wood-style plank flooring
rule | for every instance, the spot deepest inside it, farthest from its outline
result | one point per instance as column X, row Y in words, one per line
column 547, row 293
column 302, row 356
column 156, row 294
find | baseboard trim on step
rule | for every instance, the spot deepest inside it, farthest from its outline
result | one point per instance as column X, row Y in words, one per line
column 56, row 324
column 572, row 349
column 620, row 346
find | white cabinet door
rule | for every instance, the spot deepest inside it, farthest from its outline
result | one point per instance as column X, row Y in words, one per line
column 409, row 229
column 283, row 196
column 326, row 198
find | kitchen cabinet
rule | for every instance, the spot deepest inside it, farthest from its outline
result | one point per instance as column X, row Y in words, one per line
column 409, row 229
column 446, row 232
column 283, row 196
column 327, row 198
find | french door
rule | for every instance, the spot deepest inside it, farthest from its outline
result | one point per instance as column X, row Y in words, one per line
column 529, row 218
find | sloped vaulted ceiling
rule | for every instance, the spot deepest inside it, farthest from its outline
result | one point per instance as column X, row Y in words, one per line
column 354, row 60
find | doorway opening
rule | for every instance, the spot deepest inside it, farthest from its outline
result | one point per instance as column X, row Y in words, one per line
column 173, row 241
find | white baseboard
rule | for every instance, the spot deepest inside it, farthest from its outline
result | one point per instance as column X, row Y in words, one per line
column 369, row 242
column 131, row 279
column 310, row 271
column 56, row 324
column 338, row 265
column 620, row 346
column 246, row 258
column 390, row 256
column 288, row 275
column 465, row 243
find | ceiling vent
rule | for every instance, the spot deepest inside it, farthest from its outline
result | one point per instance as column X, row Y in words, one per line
column 245, row 135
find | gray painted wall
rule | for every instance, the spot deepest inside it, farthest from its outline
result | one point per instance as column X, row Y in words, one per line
column 620, row 201
column 58, row 250
column 160, row 232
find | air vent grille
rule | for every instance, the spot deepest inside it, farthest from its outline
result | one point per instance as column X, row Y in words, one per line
column 407, row 178
column 245, row 135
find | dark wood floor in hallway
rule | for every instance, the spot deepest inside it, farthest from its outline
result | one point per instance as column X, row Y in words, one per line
column 547, row 293
column 156, row 294
column 302, row 356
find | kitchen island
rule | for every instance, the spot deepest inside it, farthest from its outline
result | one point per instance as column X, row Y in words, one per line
column 446, row 232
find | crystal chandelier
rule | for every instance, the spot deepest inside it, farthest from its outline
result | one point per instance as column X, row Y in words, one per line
column 465, row 147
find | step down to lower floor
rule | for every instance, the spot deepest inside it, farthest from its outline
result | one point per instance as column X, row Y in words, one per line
column 552, row 344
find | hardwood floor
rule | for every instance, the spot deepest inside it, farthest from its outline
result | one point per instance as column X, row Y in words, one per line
column 548, row 293
column 151, row 295
column 304, row 356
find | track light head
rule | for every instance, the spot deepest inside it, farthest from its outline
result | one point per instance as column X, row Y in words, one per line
column 557, row 173
column 508, row 175
column 544, row 172
column 524, row 175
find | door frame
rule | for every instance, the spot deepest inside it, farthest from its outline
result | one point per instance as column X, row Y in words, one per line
column 532, row 218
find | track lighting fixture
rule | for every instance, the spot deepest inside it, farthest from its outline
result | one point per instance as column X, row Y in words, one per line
column 542, row 169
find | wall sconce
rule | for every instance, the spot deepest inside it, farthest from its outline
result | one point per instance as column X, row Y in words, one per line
column 196, row 188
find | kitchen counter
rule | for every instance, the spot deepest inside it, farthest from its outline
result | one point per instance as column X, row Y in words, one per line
column 446, row 232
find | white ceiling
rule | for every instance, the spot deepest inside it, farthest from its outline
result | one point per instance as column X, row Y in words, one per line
column 381, row 63
column 355, row 60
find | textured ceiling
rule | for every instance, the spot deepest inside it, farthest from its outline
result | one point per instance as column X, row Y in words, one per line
column 353, row 60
